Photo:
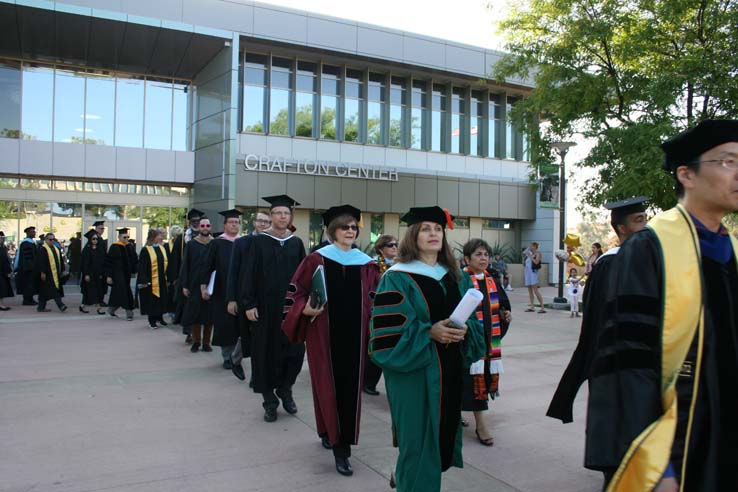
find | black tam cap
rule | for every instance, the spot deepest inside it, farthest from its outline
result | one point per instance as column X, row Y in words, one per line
column 98, row 223
column 623, row 208
column 334, row 212
column 90, row 233
column 280, row 201
column 428, row 214
column 687, row 146
column 229, row 214
column 194, row 214
column 29, row 228
column 122, row 230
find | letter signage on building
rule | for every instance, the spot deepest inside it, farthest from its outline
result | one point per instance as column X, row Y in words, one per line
column 253, row 162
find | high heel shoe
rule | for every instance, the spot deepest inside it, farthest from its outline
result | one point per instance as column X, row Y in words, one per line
column 100, row 311
column 82, row 309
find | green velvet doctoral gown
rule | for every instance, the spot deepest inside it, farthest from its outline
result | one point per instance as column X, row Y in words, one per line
column 423, row 378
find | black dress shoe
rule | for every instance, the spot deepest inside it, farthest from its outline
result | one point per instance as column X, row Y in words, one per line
column 100, row 311
column 270, row 414
column 370, row 391
column 83, row 310
column 207, row 348
column 162, row 322
column 326, row 442
column 4, row 308
column 63, row 308
column 227, row 364
column 188, row 339
column 238, row 371
column 195, row 347
column 344, row 467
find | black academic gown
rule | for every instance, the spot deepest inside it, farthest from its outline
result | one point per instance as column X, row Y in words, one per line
column 196, row 311
column 266, row 273
column 599, row 284
column 118, row 266
column 218, row 259
column 47, row 289
column 92, row 265
column 233, row 285
column 175, row 249
column 6, row 268
column 625, row 393
column 149, row 303
column 25, row 273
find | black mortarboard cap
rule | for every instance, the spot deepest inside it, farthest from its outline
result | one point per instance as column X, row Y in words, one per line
column 122, row 230
column 98, row 223
column 229, row 214
column 334, row 212
column 29, row 228
column 623, row 208
column 687, row 146
column 194, row 214
column 428, row 214
column 90, row 233
column 280, row 201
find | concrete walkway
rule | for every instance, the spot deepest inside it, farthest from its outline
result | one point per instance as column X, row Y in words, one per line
column 90, row 403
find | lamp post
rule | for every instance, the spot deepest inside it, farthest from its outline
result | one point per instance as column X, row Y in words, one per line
column 561, row 148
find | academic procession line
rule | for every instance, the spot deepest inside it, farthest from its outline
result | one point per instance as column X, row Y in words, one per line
column 659, row 339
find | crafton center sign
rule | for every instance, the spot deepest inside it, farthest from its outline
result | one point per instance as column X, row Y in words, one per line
column 270, row 164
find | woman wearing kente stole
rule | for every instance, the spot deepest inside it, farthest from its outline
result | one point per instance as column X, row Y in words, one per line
column 481, row 381
column 335, row 335
column 154, row 269
column 423, row 355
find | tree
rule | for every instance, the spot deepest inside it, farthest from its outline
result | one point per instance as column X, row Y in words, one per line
column 627, row 74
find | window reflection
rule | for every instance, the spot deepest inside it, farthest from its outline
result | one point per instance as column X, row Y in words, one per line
column 439, row 126
column 458, row 120
column 37, row 103
column 69, row 107
column 129, row 112
column 398, row 108
column 104, row 212
column 329, row 101
column 36, row 214
column 352, row 109
column 305, row 98
column 66, row 220
column 476, row 109
column 180, row 117
column 100, row 109
column 279, row 97
column 375, row 103
column 9, row 223
column 158, row 112
column 10, row 99
column 495, row 126
column 9, row 183
column 254, row 93
column 419, row 115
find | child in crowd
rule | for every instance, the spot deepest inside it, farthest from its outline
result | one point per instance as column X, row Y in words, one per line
column 575, row 291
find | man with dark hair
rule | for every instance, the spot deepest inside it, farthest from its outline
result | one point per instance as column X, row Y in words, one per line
column 25, row 267
column 197, row 315
column 102, row 251
column 50, row 267
column 119, row 267
column 272, row 259
column 664, row 376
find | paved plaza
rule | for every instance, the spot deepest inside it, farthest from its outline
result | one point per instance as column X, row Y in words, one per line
column 90, row 403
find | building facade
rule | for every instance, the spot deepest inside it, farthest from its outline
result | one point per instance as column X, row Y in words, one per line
column 133, row 111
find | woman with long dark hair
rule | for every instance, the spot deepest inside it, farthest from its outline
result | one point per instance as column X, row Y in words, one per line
column 92, row 280
column 422, row 353
column 596, row 253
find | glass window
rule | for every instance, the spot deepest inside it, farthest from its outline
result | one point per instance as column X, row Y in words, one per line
column 156, row 216
column 67, row 220
column 129, row 115
column 69, row 106
column 352, row 109
column 254, row 92
column 375, row 105
column 179, row 216
column 458, row 120
column 38, row 102
column 104, row 212
column 461, row 222
column 10, row 99
column 247, row 219
column 180, row 117
column 37, row 214
column 439, row 126
column 377, row 226
column 305, row 98
column 330, row 92
column 158, row 123
column 279, row 97
column 526, row 146
column 419, row 115
column 9, row 183
column 315, row 236
column 9, row 224
column 509, row 131
column 132, row 212
column 100, row 109
column 398, row 108
column 495, row 126
column 476, row 110
column 35, row 184
column 496, row 224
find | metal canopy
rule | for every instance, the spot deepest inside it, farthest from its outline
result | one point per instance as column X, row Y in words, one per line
column 61, row 37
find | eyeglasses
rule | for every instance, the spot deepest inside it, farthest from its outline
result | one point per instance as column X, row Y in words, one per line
column 93, row 239
column 205, row 226
column 727, row 163
column 352, row 227
column 262, row 221
column 390, row 245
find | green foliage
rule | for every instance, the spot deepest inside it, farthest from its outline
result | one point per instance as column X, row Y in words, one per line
column 626, row 74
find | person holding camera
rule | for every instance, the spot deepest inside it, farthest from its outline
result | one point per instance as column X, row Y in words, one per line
column 336, row 334
column 532, row 258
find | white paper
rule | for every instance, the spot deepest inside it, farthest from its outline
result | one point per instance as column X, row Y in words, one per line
column 495, row 367
column 211, row 284
column 466, row 307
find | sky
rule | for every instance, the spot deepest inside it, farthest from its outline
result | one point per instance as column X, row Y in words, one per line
column 466, row 21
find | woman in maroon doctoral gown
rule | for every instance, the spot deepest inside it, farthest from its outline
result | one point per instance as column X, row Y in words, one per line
column 336, row 335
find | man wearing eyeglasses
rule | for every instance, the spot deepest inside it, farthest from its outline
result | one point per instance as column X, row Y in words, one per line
column 119, row 267
column 664, row 376
column 50, row 272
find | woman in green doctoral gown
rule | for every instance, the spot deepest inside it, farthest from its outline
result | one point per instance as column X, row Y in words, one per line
column 423, row 355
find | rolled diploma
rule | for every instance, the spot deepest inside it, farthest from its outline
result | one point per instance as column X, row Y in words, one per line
column 466, row 307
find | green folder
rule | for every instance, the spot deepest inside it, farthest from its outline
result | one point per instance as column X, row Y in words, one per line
column 318, row 285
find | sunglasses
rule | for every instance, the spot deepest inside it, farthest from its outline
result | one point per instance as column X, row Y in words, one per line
column 390, row 245
column 351, row 227
column 94, row 239
column 205, row 226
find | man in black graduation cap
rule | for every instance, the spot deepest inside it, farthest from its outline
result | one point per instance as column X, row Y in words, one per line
column 273, row 257
column 664, row 376
column 217, row 260
column 102, row 250
column 119, row 267
column 177, row 250
column 25, row 267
